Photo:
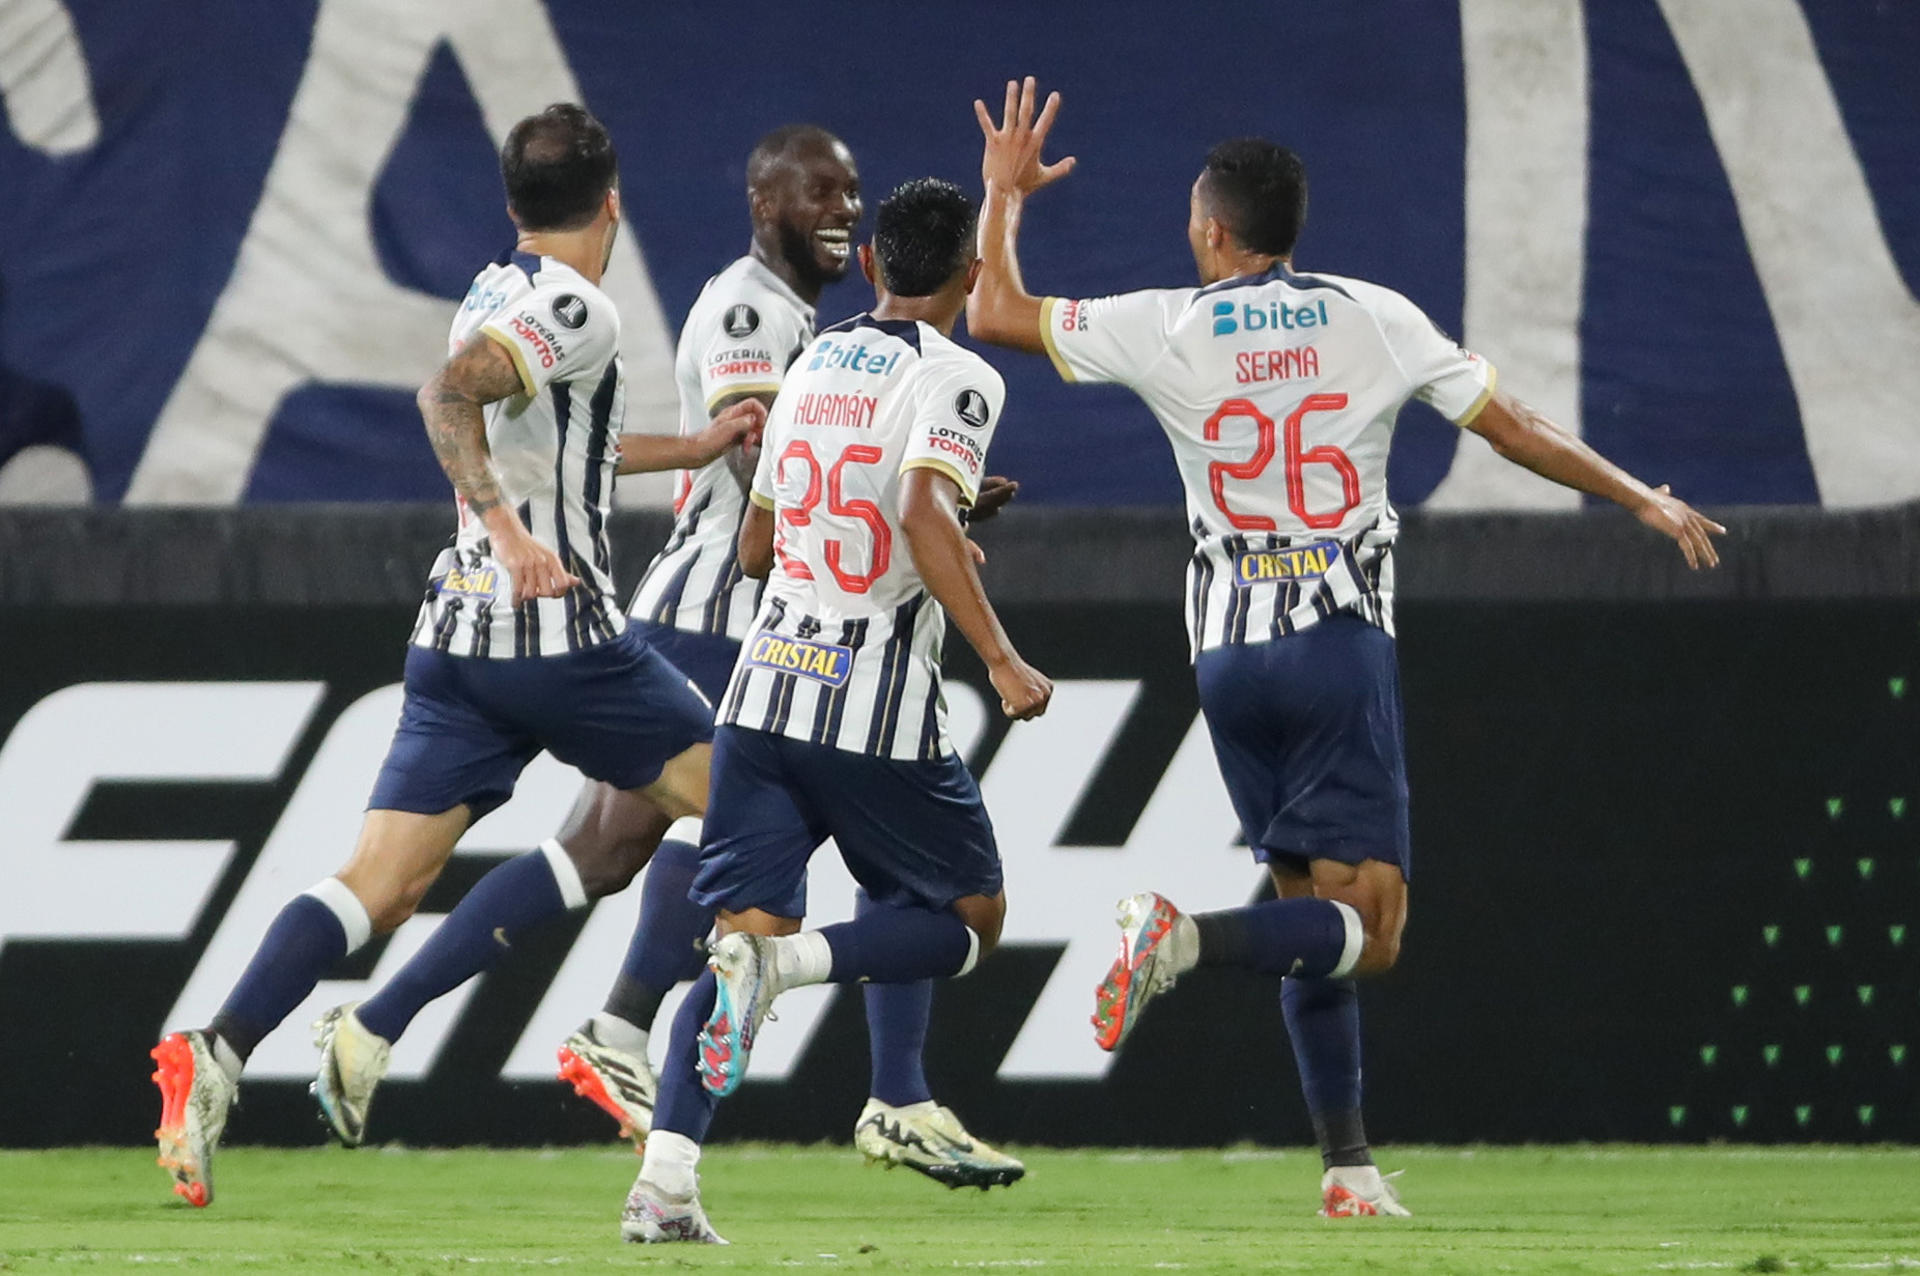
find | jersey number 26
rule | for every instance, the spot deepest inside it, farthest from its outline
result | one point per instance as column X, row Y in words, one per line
column 1296, row 462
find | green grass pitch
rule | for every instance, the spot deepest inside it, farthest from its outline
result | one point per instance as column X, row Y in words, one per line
column 1481, row 1210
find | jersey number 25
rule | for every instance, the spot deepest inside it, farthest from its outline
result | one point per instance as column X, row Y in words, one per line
column 837, row 503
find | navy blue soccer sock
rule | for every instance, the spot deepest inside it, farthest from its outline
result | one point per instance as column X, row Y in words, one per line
column 665, row 949
column 313, row 932
column 510, row 900
column 898, row 946
column 1323, row 1019
column 1282, row 937
column 683, row 1105
column 897, row 1017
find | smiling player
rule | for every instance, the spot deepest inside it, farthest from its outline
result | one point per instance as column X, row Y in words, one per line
column 1279, row 392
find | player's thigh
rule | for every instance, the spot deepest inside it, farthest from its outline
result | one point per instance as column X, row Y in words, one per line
column 620, row 713
column 761, row 831
column 1377, row 891
column 910, row 832
column 397, row 858
column 610, row 834
column 1234, row 701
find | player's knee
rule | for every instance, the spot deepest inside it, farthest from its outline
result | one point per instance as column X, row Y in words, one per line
column 393, row 908
column 607, row 866
column 1380, row 950
column 984, row 915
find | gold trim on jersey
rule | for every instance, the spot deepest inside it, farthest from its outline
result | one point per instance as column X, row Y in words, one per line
column 967, row 490
column 519, row 358
column 742, row 391
column 764, row 502
column 1048, row 305
column 1486, row 396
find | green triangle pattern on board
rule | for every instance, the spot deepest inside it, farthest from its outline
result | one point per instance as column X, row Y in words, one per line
column 1739, row 994
column 1833, row 936
column 1897, row 933
column 1897, row 807
column 1803, row 1113
column 1865, row 865
column 1865, row 993
column 1834, row 1055
column 1834, row 807
column 1771, row 1054
column 1897, row 686
column 1865, row 1113
column 1708, row 1054
column 1897, row 1053
column 1802, row 994
column 1677, row 1114
column 1771, row 934
column 1802, row 867
column 1740, row 1115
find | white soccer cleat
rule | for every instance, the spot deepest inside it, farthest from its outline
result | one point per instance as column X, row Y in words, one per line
column 651, row 1217
column 352, row 1062
column 1150, row 929
column 195, row 1096
column 1360, row 1191
column 743, row 965
column 621, row 1084
column 929, row 1138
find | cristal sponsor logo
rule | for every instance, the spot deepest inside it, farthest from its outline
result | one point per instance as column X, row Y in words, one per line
column 850, row 357
column 819, row 661
column 483, row 583
column 1229, row 317
column 546, row 347
column 852, row 410
column 569, row 311
column 1292, row 562
column 740, row 320
column 1252, row 366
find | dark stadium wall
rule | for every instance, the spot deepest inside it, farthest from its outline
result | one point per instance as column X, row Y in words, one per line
column 1665, row 869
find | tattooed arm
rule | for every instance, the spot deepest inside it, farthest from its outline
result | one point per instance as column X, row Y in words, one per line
column 482, row 372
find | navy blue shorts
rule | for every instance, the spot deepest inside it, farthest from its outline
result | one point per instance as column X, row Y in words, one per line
column 910, row 832
column 1308, row 732
column 705, row 658
column 617, row 711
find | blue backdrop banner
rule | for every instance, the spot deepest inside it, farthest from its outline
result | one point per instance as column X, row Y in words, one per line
column 233, row 236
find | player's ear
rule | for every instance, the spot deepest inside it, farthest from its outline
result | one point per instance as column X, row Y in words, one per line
column 613, row 203
column 973, row 273
column 865, row 252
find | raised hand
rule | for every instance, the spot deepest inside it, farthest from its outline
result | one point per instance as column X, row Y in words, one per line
column 993, row 496
column 1669, row 515
column 1012, row 158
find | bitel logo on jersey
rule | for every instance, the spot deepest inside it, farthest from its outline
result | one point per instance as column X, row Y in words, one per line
column 230, row 739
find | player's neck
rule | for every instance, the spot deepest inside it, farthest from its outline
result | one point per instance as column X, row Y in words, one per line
column 1247, row 265
column 939, row 312
column 808, row 290
column 584, row 250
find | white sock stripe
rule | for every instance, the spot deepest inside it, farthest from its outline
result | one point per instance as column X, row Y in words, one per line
column 688, row 829
column 573, row 891
column 1356, row 940
column 346, row 906
column 973, row 954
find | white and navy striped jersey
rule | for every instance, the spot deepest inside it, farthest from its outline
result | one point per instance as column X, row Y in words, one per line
column 845, row 651
column 556, row 446
column 1279, row 393
column 741, row 334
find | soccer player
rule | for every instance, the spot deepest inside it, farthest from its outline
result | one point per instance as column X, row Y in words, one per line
column 519, row 645
column 693, row 607
column 834, row 724
column 1279, row 391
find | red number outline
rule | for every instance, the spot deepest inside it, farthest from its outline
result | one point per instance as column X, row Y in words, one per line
column 1296, row 461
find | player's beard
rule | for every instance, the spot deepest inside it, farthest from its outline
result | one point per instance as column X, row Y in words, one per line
column 800, row 250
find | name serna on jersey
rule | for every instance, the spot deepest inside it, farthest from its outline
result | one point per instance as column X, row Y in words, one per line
column 741, row 334
column 556, row 447
column 1279, row 393
column 845, row 651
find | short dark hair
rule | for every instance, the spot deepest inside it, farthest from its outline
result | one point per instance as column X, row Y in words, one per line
column 923, row 236
column 558, row 166
column 1258, row 191
column 780, row 143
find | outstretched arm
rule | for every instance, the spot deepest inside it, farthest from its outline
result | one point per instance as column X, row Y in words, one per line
column 736, row 424
column 930, row 517
column 482, row 372
column 1000, row 309
column 1527, row 438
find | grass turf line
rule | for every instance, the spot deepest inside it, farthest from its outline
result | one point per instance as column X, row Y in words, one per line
column 1574, row 1209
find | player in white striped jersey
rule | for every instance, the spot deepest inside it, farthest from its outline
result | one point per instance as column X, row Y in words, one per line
column 1279, row 391
column 518, row 647
column 833, row 725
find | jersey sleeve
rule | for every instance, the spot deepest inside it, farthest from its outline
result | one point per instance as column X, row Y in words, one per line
column 1108, row 339
column 1455, row 381
column 956, row 408
column 556, row 334
column 745, row 347
column 760, row 491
